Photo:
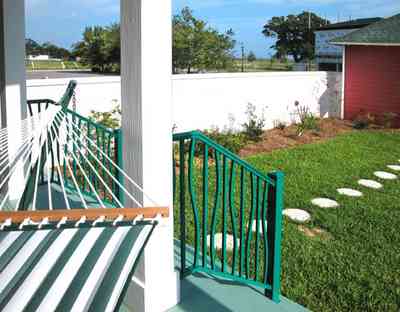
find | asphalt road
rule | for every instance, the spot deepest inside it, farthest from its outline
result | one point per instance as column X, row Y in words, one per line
column 66, row 74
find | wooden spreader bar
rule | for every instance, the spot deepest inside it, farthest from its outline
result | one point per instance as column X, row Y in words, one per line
column 74, row 215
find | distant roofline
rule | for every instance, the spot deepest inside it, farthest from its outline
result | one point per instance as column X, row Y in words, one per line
column 367, row 43
column 382, row 33
column 351, row 24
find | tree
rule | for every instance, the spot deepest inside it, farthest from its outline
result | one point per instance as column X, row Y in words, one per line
column 100, row 48
column 197, row 46
column 92, row 48
column 32, row 47
column 54, row 51
column 113, row 44
column 251, row 57
column 294, row 34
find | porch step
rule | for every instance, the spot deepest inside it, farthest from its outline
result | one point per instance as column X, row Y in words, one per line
column 201, row 292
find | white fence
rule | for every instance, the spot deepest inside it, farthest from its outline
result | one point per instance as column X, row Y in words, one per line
column 215, row 100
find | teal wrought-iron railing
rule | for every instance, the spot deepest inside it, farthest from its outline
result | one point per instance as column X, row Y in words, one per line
column 110, row 143
column 216, row 191
column 81, row 131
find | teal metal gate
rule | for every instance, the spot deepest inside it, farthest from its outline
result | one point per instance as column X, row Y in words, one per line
column 216, row 191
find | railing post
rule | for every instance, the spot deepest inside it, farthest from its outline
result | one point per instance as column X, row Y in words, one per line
column 119, row 159
column 182, row 205
column 274, row 221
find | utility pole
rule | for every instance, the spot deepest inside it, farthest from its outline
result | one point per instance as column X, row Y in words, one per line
column 243, row 56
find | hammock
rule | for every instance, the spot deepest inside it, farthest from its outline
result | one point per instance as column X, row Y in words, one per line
column 66, row 257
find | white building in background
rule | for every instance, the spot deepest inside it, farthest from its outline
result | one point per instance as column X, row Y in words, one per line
column 38, row 57
column 329, row 56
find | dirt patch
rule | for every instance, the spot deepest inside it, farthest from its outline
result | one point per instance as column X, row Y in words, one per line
column 314, row 232
column 278, row 139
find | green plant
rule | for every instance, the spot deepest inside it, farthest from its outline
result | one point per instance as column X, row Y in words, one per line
column 254, row 127
column 233, row 141
column 110, row 119
column 307, row 120
column 363, row 121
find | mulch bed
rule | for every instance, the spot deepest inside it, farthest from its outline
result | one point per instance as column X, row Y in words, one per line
column 275, row 139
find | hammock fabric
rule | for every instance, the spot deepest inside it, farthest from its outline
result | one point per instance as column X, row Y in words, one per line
column 82, row 269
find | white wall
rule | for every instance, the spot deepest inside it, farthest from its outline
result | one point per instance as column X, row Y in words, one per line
column 203, row 101
column 93, row 93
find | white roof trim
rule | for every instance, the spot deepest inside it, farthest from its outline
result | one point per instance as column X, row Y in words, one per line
column 368, row 44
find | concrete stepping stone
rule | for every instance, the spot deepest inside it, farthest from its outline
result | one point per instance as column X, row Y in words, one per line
column 254, row 226
column 325, row 203
column 370, row 184
column 385, row 175
column 394, row 167
column 349, row 192
column 297, row 215
column 218, row 241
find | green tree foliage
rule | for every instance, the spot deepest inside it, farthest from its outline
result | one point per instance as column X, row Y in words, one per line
column 54, row 51
column 100, row 48
column 294, row 34
column 196, row 46
column 34, row 48
column 251, row 57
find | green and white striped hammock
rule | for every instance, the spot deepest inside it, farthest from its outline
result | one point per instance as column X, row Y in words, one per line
column 85, row 269
column 65, row 258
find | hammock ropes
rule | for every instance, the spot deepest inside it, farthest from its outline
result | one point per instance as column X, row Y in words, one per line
column 55, row 132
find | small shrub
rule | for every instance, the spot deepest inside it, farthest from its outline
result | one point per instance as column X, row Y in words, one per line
column 254, row 127
column 230, row 140
column 307, row 120
column 388, row 118
column 363, row 121
column 110, row 119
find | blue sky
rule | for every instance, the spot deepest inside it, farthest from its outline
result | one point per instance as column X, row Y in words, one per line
column 62, row 21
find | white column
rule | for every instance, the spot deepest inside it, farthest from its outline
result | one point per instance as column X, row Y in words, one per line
column 146, row 49
column 13, row 79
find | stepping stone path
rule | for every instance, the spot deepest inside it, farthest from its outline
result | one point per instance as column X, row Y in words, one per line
column 297, row 215
column 254, row 226
column 218, row 241
column 371, row 184
column 325, row 203
column 385, row 175
column 349, row 192
column 314, row 232
column 394, row 167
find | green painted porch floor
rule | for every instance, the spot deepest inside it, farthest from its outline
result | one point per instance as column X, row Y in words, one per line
column 203, row 293
column 58, row 199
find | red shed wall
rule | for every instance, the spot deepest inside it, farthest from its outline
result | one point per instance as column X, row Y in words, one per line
column 372, row 81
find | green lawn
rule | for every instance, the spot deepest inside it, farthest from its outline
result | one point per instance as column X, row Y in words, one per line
column 356, row 267
column 264, row 65
column 53, row 65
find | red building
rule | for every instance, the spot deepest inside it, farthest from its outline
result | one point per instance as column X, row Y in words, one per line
column 372, row 70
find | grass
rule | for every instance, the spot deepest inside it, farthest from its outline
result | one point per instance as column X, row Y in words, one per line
column 356, row 267
column 262, row 65
column 53, row 65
